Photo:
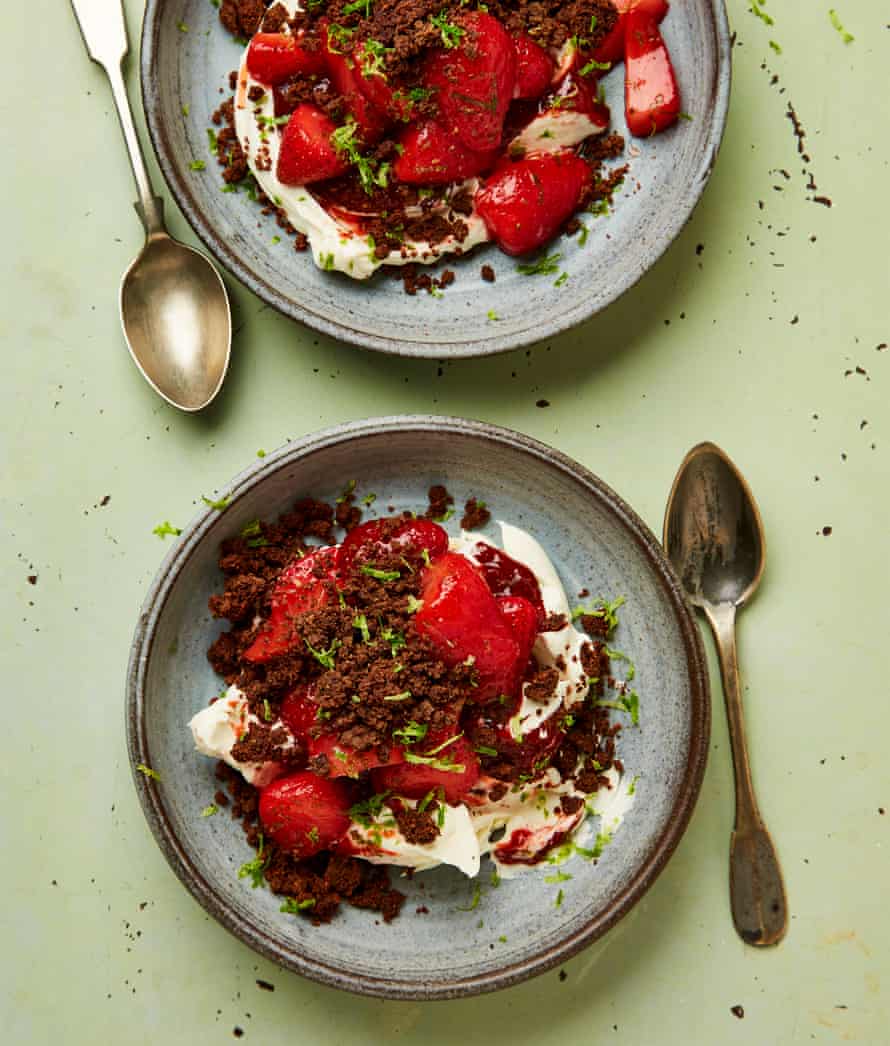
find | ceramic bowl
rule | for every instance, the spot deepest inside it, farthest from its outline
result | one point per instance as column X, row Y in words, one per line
column 182, row 74
column 516, row 931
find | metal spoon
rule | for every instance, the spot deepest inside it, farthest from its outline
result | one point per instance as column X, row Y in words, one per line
column 174, row 307
column 714, row 538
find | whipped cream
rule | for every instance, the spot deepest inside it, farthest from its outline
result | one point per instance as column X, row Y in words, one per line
column 217, row 728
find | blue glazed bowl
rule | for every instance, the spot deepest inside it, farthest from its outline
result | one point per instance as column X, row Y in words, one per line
column 181, row 77
column 596, row 542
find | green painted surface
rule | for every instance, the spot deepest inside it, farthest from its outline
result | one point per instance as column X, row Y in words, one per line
column 747, row 341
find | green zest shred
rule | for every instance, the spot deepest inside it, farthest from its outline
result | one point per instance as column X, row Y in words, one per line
column 451, row 33
column 324, row 657
column 165, row 528
column 254, row 869
column 545, row 266
column 381, row 575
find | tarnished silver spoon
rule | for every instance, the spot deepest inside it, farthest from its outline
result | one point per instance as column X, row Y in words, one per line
column 174, row 307
column 713, row 535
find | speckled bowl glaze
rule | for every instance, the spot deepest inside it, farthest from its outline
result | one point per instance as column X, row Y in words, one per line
column 516, row 931
column 667, row 176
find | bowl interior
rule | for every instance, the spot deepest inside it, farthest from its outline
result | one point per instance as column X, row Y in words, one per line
column 516, row 929
column 182, row 74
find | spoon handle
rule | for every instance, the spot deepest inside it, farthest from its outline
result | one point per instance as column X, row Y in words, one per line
column 105, row 35
column 756, row 889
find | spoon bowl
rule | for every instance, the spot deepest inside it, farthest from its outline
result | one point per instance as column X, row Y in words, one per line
column 713, row 530
column 176, row 319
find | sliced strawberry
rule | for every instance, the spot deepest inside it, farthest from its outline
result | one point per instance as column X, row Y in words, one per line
column 305, row 813
column 373, row 82
column 524, row 204
column 522, row 618
column 534, row 68
column 273, row 58
column 574, row 94
column 474, row 81
column 461, row 618
column 433, row 156
column 380, row 536
column 307, row 154
column 651, row 96
column 344, row 73
column 454, row 769
column 305, row 584
column 299, row 711
column 345, row 761
column 611, row 47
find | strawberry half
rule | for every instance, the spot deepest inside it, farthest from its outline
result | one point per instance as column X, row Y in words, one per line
column 522, row 620
column 307, row 154
column 651, row 95
column 273, row 58
column 461, row 618
column 433, row 156
column 534, row 68
column 524, row 204
column 408, row 538
column 305, row 813
column 507, row 577
column 474, row 81
column 345, row 77
column 305, row 584
column 611, row 47
column 414, row 780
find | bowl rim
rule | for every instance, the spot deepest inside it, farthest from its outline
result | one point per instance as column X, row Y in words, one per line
column 382, row 987
column 557, row 321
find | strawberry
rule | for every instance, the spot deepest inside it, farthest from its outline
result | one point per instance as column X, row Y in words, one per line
column 573, row 94
column 304, row 813
column 305, row 584
column 373, row 82
column 461, row 618
column 344, row 72
column 454, row 769
column 611, row 47
column 273, row 58
column 524, row 204
column 651, row 96
column 345, row 761
column 307, row 154
column 433, row 156
column 534, row 68
column 474, row 80
column 299, row 711
column 378, row 536
column 522, row 620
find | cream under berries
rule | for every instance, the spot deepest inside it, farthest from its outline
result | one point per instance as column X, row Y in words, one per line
column 393, row 132
column 406, row 698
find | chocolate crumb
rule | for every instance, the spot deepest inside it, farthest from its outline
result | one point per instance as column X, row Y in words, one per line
column 826, row 531
column 487, row 273
column 32, row 579
column 737, row 1011
column 475, row 515
column 265, row 986
column 542, row 403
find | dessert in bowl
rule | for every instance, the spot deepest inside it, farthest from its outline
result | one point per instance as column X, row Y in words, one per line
column 454, row 935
